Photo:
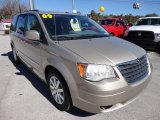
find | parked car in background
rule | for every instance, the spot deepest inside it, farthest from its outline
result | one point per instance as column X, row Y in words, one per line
column 145, row 33
column 83, row 65
column 5, row 25
column 115, row 26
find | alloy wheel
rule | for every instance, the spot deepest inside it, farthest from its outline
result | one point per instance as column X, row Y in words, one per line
column 14, row 54
column 57, row 90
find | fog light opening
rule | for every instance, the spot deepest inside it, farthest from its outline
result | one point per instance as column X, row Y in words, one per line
column 106, row 107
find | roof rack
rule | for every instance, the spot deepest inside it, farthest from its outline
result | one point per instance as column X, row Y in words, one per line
column 31, row 10
column 39, row 11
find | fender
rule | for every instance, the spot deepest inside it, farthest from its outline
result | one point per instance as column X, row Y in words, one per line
column 57, row 63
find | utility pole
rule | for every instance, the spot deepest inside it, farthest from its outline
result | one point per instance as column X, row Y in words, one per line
column 19, row 6
column 73, row 5
column 31, row 3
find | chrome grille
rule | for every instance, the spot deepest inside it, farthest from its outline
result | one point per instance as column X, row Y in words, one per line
column 138, row 35
column 135, row 70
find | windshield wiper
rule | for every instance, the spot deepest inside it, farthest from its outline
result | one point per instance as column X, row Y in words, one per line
column 93, row 36
column 64, row 37
column 86, row 36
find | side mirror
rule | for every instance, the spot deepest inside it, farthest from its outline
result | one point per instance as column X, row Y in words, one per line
column 33, row 35
column 20, row 30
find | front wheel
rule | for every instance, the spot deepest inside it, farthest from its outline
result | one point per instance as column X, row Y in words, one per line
column 16, row 59
column 59, row 91
column 157, row 48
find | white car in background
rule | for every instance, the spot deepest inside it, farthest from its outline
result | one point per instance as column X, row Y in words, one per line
column 145, row 33
column 5, row 25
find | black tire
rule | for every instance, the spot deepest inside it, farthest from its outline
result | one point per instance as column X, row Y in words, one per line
column 157, row 48
column 6, row 32
column 16, row 58
column 66, row 104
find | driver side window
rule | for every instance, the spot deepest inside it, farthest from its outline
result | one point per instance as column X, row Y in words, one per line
column 120, row 23
column 33, row 24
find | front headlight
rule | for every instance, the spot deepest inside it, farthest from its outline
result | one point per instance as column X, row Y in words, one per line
column 126, row 33
column 157, row 35
column 95, row 72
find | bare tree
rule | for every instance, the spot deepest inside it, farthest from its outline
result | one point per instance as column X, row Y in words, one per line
column 9, row 8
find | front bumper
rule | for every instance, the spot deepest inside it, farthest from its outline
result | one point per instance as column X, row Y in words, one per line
column 144, row 43
column 144, row 39
column 105, row 96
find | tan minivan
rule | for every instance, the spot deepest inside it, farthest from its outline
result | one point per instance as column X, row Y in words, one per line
column 83, row 65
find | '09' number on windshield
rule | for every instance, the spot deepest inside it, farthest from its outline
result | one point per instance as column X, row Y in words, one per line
column 45, row 16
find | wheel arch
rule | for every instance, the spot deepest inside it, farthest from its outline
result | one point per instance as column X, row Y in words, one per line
column 49, row 68
column 12, row 44
column 69, row 83
column 157, row 47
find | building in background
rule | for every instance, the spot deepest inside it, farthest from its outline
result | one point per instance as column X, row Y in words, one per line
column 5, row 25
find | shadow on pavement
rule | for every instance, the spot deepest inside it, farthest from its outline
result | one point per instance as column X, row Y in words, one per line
column 41, row 86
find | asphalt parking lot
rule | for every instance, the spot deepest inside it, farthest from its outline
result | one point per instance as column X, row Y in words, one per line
column 24, row 97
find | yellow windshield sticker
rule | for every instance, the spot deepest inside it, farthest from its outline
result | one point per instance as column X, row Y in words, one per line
column 45, row 16
column 50, row 16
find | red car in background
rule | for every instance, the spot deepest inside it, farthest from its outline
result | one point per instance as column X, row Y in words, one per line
column 115, row 26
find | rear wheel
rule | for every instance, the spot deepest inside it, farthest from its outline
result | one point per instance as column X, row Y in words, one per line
column 59, row 91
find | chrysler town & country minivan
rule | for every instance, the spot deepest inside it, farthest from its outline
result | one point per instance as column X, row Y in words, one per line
column 83, row 65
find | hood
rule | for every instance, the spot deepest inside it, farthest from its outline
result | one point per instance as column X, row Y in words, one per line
column 110, row 50
column 107, row 27
column 155, row 29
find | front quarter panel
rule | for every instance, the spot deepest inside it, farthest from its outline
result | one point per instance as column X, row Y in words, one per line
column 66, row 63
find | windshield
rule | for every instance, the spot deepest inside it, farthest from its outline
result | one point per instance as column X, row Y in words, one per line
column 150, row 21
column 69, row 27
column 109, row 22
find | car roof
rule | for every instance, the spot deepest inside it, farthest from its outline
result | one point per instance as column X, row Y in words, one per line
column 109, row 18
column 6, row 20
column 50, row 12
column 149, row 17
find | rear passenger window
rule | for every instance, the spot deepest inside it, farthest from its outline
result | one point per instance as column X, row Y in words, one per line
column 21, row 24
column 13, row 24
